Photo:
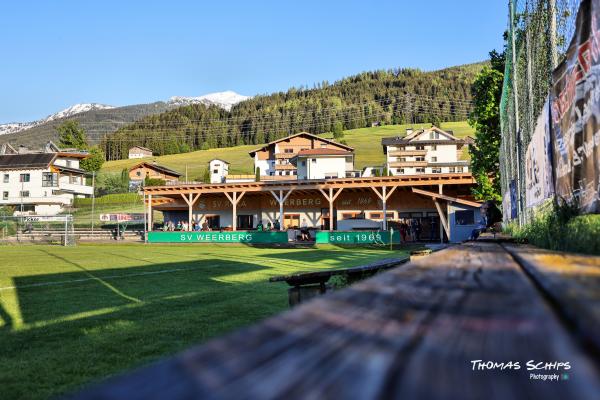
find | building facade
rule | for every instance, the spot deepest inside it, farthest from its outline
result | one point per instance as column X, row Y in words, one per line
column 139, row 152
column 323, row 163
column 42, row 183
column 274, row 158
column 139, row 172
column 425, row 151
column 219, row 169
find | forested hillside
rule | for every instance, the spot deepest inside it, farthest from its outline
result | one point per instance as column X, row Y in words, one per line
column 97, row 123
column 382, row 97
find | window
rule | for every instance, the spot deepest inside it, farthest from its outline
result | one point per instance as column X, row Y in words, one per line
column 464, row 217
column 288, row 151
column 6, row 178
column 420, row 170
column 402, row 159
column 434, row 135
column 303, row 163
column 314, row 160
column 436, row 170
column 69, row 163
column 74, row 180
column 420, row 147
column 213, row 221
column 139, row 173
column 323, row 145
column 25, row 178
column 452, row 170
column 433, row 159
column 433, row 147
column 4, row 195
column 25, row 193
column 420, row 158
column 331, row 175
column 375, row 215
column 400, row 170
column 291, row 220
column 49, row 179
column 459, row 169
column 217, row 165
column 352, row 215
column 215, row 171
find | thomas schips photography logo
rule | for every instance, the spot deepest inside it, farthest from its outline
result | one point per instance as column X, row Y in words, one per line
column 552, row 371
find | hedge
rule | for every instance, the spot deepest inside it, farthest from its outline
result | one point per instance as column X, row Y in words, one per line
column 118, row 198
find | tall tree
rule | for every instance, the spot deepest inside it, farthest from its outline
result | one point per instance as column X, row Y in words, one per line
column 485, row 119
column 94, row 162
column 70, row 134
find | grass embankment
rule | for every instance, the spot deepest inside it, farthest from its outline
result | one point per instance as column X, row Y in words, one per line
column 559, row 228
column 69, row 316
column 366, row 142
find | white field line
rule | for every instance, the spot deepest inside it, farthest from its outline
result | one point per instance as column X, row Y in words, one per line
column 94, row 279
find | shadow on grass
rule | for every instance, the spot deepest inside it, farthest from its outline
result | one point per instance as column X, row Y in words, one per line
column 50, row 297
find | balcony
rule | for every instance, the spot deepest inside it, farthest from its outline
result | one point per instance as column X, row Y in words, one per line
column 284, row 156
column 285, row 167
column 403, row 164
column 407, row 153
column 35, row 200
column 75, row 189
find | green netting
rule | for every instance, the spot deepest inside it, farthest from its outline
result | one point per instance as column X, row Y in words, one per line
column 538, row 34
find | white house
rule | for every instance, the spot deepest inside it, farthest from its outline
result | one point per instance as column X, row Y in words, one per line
column 139, row 152
column 323, row 163
column 219, row 169
column 425, row 151
column 42, row 183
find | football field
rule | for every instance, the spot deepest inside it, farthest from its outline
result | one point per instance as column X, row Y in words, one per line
column 73, row 315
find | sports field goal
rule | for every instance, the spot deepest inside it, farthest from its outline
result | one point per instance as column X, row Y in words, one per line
column 56, row 229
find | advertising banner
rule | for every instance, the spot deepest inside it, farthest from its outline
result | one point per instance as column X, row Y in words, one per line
column 357, row 237
column 538, row 162
column 127, row 217
column 575, row 101
column 218, row 237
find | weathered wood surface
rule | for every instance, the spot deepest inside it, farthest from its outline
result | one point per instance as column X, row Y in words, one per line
column 306, row 278
column 572, row 282
column 409, row 333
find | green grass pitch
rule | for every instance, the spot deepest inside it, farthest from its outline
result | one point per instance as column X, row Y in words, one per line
column 71, row 316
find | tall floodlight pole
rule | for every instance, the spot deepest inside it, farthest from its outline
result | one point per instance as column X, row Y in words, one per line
column 552, row 44
column 516, row 99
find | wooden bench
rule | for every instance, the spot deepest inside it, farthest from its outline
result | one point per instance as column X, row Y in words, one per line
column 308, row 285
column 414, row 332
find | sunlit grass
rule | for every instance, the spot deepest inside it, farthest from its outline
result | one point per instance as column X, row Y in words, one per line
column 70, row 316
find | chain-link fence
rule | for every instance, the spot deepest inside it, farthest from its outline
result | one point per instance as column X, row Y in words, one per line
column 538, row 34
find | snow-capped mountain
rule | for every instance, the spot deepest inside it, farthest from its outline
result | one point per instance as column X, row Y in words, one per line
column 67, row 112
column 224, row 100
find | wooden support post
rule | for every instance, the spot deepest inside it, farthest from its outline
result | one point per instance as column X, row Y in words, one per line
column 331, row 199
column 440, row 187
column 384, row 196
column 281, row 199
column 443, row 220
column 190, row 199
column 234, row 200
column 149, row 213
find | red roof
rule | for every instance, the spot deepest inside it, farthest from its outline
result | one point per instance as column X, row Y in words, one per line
column 324, row 152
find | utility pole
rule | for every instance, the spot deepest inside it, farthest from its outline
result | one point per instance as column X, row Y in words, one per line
column 93, row 198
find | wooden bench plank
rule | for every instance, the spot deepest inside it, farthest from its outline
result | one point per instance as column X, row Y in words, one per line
column 323, row 276
column 572, row 281
column 410, row 332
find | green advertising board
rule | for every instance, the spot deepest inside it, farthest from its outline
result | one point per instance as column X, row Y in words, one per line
column 357, row 237
column 218, row 237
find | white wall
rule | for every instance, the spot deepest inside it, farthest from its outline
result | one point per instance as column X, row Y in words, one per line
column 221, row 168
column 320, row 167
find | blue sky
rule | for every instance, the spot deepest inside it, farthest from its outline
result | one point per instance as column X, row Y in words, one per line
column 58, row 53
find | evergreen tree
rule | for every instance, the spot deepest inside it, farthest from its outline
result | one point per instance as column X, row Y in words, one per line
column 71, row 135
